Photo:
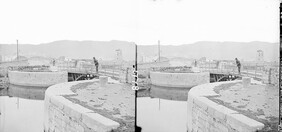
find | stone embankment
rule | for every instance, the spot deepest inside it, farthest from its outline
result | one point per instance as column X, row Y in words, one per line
column 207, row 115
column 62, row 114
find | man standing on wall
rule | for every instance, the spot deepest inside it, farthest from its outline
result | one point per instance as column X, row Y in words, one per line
column 54, row 61
column 96, row 64
column 238, row 65
column 195, row 63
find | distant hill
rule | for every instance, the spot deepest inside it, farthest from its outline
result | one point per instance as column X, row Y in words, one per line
column 74, row 49
column 216, row 50
column 106, row 50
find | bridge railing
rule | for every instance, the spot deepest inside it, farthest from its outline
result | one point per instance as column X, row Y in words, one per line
column 263, row 71
column 30, row 68
column 111, row 71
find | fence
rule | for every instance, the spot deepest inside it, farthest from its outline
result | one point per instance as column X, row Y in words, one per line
column 266, row 72
column 30, row 68
column 114, row 71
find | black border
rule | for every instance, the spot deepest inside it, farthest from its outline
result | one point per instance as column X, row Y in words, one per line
column 280, row 62
column 136, row 128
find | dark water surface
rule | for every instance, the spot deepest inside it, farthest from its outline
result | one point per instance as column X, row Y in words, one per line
column 22, row 109
column 164, row 110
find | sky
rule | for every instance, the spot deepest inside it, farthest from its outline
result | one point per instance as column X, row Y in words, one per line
column 144, row 22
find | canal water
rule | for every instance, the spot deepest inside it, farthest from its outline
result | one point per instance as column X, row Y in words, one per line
column 22, row 109
column 163, row 110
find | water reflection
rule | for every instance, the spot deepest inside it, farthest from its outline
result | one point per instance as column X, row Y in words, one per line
column 179, row 94
column 21, row 109
column 165, row 110
column 35, row 93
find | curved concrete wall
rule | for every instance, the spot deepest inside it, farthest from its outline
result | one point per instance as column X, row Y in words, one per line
column 39, row 79
column 206, row 115
column 62, row 115
column 181, row 80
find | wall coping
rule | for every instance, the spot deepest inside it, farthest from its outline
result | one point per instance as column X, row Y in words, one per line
column 233, row 118
column 174, row 72
column 17, row 71
column 88, row 117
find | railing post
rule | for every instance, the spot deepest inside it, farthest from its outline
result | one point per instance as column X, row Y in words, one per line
column 256, row 71
column 269, row 76
column 126, row 75
column 113, row 72
column 247, row 67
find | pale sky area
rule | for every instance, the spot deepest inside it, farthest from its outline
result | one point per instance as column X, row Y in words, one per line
column 173, row 22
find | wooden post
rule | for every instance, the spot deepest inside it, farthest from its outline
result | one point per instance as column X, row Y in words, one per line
column 269, row 76
column 17, row 51
column 256, row 71
column 159, row 51
column 126, row 75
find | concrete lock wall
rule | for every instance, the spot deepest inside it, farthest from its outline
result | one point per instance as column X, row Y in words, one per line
column 62, row 115
column 205, row 115
column 39, row 79
column 181, row 80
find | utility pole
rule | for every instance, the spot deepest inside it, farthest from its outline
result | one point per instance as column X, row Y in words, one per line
column 17, row 51
column 159, row 50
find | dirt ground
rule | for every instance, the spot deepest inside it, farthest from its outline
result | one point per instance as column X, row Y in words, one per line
column 259, row 102
column 115, row 101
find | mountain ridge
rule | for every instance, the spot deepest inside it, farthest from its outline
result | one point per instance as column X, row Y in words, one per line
column 226, row 50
